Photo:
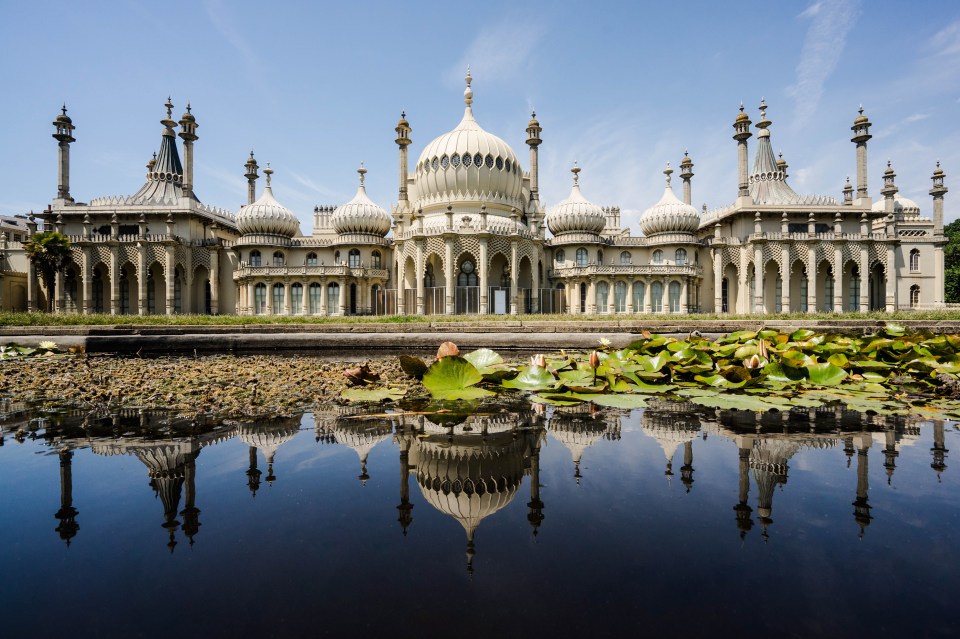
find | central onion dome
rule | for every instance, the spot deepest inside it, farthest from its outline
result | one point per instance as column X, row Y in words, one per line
column 901, row 206
column 576, row 214
column 266, row 216
column 361, row 215
column 669, row 215
column 469, row 164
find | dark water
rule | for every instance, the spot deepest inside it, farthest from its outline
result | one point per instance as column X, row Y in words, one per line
column 519, row 523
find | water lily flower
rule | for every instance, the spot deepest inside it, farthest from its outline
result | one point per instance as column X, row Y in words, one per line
column 447, row 349
column 538, row 361
column 594, row 359
column 49, row 346
column 604, row 342
column 752, row 362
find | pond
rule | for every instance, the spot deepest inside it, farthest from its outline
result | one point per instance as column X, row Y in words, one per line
column 515, row 521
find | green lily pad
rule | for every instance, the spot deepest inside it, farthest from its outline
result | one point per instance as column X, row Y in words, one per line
column 533, row 378
column 372, row 394
column 454, row 378
column 483, row 359
column 826, row 374
column 412, row 366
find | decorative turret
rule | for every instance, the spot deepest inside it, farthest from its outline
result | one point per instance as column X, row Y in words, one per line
column 938, row 191
column 64, row 136
column 686, row 173
column 266, row 216
column 782, row 165
column 861, row 133
column 188, row 133
column 251, row 166
column 741, row 128
column 669, row 215
column 361, row 215
column 533, row 141
column 889, row 189
column 403, row 141
column 576, row 214
column 847, row 193
column 67, row 514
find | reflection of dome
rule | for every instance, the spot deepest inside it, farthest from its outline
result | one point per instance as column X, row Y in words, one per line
column 362, row 436
column 268, row 438
column 671, row 425
column 576, row 214
column 901, row 206
column 577, row 435
column 361, row 215
column 266, row 216
column 469, row 163
column 669, row 215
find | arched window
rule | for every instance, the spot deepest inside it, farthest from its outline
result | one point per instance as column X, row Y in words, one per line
column 311, row 259
column 620, row 297
column 277, row 258
column 828, row 292
column 428, row 279
column 559, row 257
column 625, row 258
column 255, row 258
column 467, row 275
column 259, row 298
column 804, row 287
column 680, row 257
column 336, row 258
column 278, row 299
column 915, row 260
column 375, row 260
column 656, row 297
column 354, row 257
column 638, row 292
column 581, row 257
column 674, row 290
column 602, row 291
column 599, row 257
column 333, row 298
column 296, row 298
column 658, row 257
column 915, row 296
column 854, row 303
column 315, row 298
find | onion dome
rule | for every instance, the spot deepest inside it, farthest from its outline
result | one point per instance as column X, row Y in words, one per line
column 576, row 214
column 741, row 116
column 669, row 215
column 63, row 118
column 469, row 163
column 902, row 206
column 860, row 119
column 187, row 116
column 361, row 215
column 266, row 216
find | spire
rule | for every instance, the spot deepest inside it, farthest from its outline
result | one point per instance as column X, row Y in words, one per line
column 668, row 171
column 362, row 171
column 164, row 183
column 576, row 175
column 268, row 172
column 251, row 166
column 468, row 92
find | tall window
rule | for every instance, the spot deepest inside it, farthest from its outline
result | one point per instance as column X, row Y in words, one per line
column 467, row 275
column 254, row 258
column 277, row 258
column 725, row 296
column 914, row 296
column 336, row 258
column 854, row 303
column 625, row 258
column 259, row 298
column 581, row 257
column 376, row 260
column 151, row 294
column 599, row 257
column 658, row 257
column 656, row 297
column 828, row 292
column 602, row 290
column 97, row 292
column 803, row 293
column 278, row 299
column 429, row 281
column 778, row 301
column 315, row 298
column 354, row 257
column 915, row 260
column 620, row 297
column 680, row 257
column 559, row 256
column 674, row 297
column 638, row 291
column 296, row 298
column 124, row 293
column 178, row 291
column 311, row 259
column 333, row 298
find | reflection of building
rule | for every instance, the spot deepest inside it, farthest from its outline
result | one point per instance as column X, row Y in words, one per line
column 580, row 427
column 67, row 514
column 672, row 424
column 266, row 437
column 362, row 435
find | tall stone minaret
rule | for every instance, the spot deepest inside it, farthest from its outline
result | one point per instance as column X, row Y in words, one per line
column 403, row 141
column 188, row 133
column 251, row 166
column 938, row 191
column 741, row 127
column 686, row 173
column 861, row 133
column 64, row 136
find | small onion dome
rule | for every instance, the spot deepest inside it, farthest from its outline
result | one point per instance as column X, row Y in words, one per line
column 63, row 118
column 860, row 118
column 741, row 116
column 576, row 214
column 187, row 115
column 266, row 216
column 361, row 215
column 901, row 206
column 669, row 215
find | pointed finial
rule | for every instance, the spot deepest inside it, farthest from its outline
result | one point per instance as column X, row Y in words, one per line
column 576, row 174
column 403, row 115
column 268, row 172
column 188, row 106
column 667, row 171
column 741, row 106
column 169, row 106
column 763, row 108
column 686, row 153
column 860, row 111
column 468, row 92
column 64, row 109
column 361, row 171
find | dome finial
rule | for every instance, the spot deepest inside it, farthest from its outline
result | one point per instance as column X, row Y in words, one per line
column 741, row 106
column 169, row 106
column 64, row 109
column 268, row 172
column 576, row 174
column 468, row 92
column 860, row 111
column 362, row 171
column 667, row 171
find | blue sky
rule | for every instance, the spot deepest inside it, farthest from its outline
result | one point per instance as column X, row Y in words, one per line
column 622, row 88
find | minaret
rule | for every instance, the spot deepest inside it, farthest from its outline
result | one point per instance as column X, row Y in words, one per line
column 403, row 141
column 686, row 471
column 188, row 133
column 190, row 512
column 889, row 189
column 64, row 136
column 938, row 192
column 743, row 510
column 861, row 507
column 861, row 133
column 782, row 165
column 251, row 166
column 67, row 514
column 533, row 141
column 939, row 449
column 253, row 473
column 535, row 516
column 686, row 173
column 848, row 193
column 405, row 507
column 890, row 454
column 741, row 127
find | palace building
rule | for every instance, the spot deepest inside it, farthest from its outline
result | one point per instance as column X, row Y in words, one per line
column 468, row 235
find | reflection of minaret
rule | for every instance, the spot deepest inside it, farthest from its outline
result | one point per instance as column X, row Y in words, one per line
column 362, row 435
column 67, row 514
column 861, row 508
column 848, row 449
column 190, row 513
column 268, row 437
column 939, row 449
column 671, row 424
column 686, row 471
column 405, row 507
column 890, row 453
column 769, row 463
column 743, row 510
column 253, row 473
column 578, row 431
column 535, row 517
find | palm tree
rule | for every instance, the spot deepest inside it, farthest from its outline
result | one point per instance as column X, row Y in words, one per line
column 49, row 251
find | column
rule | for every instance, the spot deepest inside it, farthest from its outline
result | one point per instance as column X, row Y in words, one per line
column 214, row 281
column 186, row 293
column 812, row 280
column 115, row 280
column 514, row 267
column 786, row 270
column 449, row 307
column 535, row 285
column 343, row 296
column 287, row 298
column 683, row 295
column 269, row 310
column 592, row 296
column 891, row 273
column 142, row 280
column 743, row 301
column 717, row 281
column 420, row 272
column 323, row 296
column 61, row 293
column 305, row 302
column 938, row 274
column 251, row 306
column 647, row 296
column 838, row 292
column 87, row 281
column 758, row 270
column 864, row 279
column 171, row 273
column 401, row 279
column 483, row 269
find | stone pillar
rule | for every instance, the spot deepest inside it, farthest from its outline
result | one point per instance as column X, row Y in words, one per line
column 838, row 292
column 448, row 273
column 683, row 295
column 420, row 273
column 269, row 309
column 864, row 279
column 743, row 301
column 759, row 268
column 343, row 296
column 786, row 270
column 214, row 280
column 142, row 291
column 592, row 296
column 812, row 280
column 514, row 268
column 61, row 292
column 323, row 296
column 305, row 302
column 87, row 280
column 718, row 282
column 401, row 279
column 891, row 293
column 171, row 273
column 115, row 279
column 287, row 298
column 186, row 293
column 483, row 279
column 251, row 299
column 535, row 286
column 647, row 296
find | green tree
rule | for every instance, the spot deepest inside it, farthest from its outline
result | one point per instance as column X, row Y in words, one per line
column 49, row 251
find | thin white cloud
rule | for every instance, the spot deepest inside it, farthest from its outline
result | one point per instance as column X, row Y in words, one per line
column 947, row 40
column 499, row 53
column 830, row 24
column 313, row 185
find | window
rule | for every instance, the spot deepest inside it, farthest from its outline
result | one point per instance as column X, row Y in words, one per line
column 658, row 257
column 602, row 290
column 333, row 298
column 151, row 294
column 828, row 292
column 375, row 260
column 354, row 257
column 725, row 296
column 336, row 258
column 656, row 297
column 854, row 303
column 625, row 258
column 429, row 281
column 778, row 296
column 914, row 296
column 124, row 293
column 638, row 293
column 915, row 260
column 620, row 297
column 581, row 257
column 296, row 298
column 311, row 259
column 278, row 299
column 674, row 297
column 315, row 298
column 259, row 298
column 467, row 275
column 803, row 293
column 680, row 257
column 599, row 257
column 559, row 257
column 254, row 258
column 277, row 258
column 455, row 160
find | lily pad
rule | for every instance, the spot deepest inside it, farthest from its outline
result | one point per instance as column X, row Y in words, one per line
column 372, row 394
column 826, row 374
column 532, row 378
column 412, row 366
column 453, row 377
column 484, row 360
